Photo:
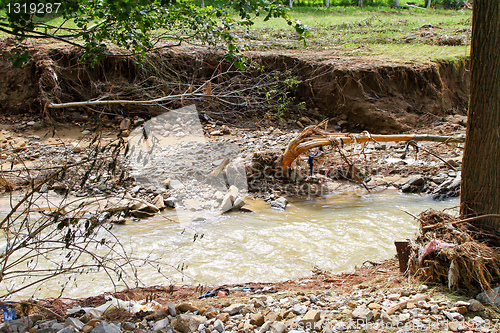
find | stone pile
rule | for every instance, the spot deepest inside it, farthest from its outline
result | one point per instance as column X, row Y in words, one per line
column 367, row 310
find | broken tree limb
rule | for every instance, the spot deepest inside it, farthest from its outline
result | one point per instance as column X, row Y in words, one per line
column 119, row 101
column 314, row 136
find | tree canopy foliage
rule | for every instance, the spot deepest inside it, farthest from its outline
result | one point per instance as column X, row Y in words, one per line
column 138, row 25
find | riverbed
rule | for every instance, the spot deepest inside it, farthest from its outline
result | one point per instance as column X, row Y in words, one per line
column 335, row 233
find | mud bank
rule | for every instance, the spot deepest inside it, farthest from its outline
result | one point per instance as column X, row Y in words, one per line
column 357, row 93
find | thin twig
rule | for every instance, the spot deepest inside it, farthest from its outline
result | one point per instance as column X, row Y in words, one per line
column 470, row 219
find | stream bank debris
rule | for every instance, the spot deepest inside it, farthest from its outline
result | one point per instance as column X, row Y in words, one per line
column 455, row 253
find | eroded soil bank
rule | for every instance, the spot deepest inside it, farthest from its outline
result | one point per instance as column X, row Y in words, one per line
column 355, row 93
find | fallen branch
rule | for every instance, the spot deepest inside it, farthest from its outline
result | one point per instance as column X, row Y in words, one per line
column 314, row 136
column 122, row 101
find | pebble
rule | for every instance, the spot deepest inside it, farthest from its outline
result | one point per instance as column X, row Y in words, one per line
column 234, row 309
column 475, row 306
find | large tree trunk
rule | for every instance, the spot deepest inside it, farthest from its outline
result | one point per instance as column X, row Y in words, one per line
column 360, row 3
column 396, row 3
column 481, row 163
column 429, row 3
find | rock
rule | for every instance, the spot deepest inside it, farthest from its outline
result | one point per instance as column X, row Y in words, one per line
column 249, row 308
column 299, row 309
column 238, row 203
column 161, row 324
column 88, row 328
column 461, row 303
column 279, row 203
column 234, row 308
column 453, row 326
column 68, row 329
column 266, row 326
column 374, row 306
column 417, row 325
column 219, row 326
column 453, row 315
column 490, row 296
column 171, row 309
column 272, row 317
column 57, row 326
column 185, row 307
column 475, row 306
column 257, row 319
column 169, row 202
column 141, row 214
column 143, row 206
column 104, row 327
column 187, row 323
column 234, row 191
column 224, row 317
column 404, row 317
column 175, row 185
column 462, row 310
column 362, row 312
column 20, row 325
column 478, row 321
column 310, row 317
column 227, row 203
column 340, row 326
column 216, row 133
column 125, row 124
column 86, row 132
column 138, row 121
column 43, row 189
column 128, row 326
column 449, row 188
column 278, row 327
column 415, row 184
column 74, row 322
column 158, row 202
column 277, row 131
column 385, row 317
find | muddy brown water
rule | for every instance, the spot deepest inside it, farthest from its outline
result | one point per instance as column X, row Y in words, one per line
column 335, row 233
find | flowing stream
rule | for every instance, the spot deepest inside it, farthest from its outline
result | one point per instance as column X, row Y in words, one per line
column 336, row 233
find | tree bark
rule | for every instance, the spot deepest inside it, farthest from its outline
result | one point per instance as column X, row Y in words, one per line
column 396, row 3
column 202, row 5
column 360, row 3
column 429, row 3
column 327, row 3
column 481, row 162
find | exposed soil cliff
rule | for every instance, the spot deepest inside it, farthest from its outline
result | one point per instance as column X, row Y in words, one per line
column 358, row 94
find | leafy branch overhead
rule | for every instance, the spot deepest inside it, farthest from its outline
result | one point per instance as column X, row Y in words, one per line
column 139, row 25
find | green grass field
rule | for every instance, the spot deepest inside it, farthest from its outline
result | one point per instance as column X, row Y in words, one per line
column 385, row 33
column 401, row 35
